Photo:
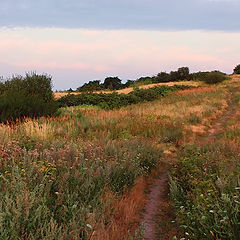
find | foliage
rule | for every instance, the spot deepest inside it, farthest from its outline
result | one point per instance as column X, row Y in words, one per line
column 29, row 96
column 115, row 100
column 183, row 73
column 205, row 199
column 90, row 86
column 237, row 69
column 56, row 192
column 162, row 77
column 112, row 83
column 214, row 77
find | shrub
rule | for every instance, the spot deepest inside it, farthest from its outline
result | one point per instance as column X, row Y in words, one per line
column 29, row 96
column 214, row 77
column 115, row 100
column 237, row 69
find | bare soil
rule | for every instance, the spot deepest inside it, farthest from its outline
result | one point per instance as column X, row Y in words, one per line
column 159, row 222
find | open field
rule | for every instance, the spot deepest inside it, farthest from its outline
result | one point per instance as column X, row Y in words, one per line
column 58, row 95
column 84, row 174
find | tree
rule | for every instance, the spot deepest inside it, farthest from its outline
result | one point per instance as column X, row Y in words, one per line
column 162, row 77
column 128, row 83
column 174, row 76
column 90, row 86
column 112, row 83
column 145, row 80
column 29, row 96
column 237, row 69
column 183, row 73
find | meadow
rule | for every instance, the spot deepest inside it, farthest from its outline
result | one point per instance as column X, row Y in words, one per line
column 83, row 174
column 205, row 182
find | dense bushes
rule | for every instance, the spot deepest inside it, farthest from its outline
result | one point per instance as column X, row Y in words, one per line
column 29, row 96
column 114, row 83
column 209, row 77
column 214, row 77
column 115, row 100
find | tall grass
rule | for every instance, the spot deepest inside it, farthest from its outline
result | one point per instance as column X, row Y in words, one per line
column 76, row 176
column 205, row 182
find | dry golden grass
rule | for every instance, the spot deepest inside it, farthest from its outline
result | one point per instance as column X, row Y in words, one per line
column 125, row 217
column 6, row 132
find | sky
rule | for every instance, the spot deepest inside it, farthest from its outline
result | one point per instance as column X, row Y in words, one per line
column 76, row 41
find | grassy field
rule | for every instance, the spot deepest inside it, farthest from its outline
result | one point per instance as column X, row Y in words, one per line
column 83, row 174
column 205, row 182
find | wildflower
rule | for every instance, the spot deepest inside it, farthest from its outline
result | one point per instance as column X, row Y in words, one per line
column 223, row 220
column 211, row 211
column 89, row 226
column 219, row 183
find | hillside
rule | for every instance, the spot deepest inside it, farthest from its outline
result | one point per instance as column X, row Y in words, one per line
column 88, row 173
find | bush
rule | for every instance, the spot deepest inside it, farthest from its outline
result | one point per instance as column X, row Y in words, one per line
column 237, row 69
column 29, row 96
column 115, row 100
column 214, row 77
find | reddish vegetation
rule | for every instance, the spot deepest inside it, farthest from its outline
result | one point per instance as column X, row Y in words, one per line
column 195, row 90
column 125, row 218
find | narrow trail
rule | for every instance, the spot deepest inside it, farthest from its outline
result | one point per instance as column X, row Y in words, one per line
column 158, row 217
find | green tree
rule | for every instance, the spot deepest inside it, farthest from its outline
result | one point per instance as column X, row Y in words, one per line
column 237, row 69
column 90, row 86
column 113, row 83
column 162, row 77
column 29, row 96
column 183, row 73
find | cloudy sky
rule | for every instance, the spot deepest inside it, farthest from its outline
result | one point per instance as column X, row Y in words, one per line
column 80, row 40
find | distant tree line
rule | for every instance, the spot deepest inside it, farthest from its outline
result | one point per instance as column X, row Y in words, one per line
column 114, row 83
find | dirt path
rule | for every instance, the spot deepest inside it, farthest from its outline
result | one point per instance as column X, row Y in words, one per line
column 158, row 218
column 218, row 126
